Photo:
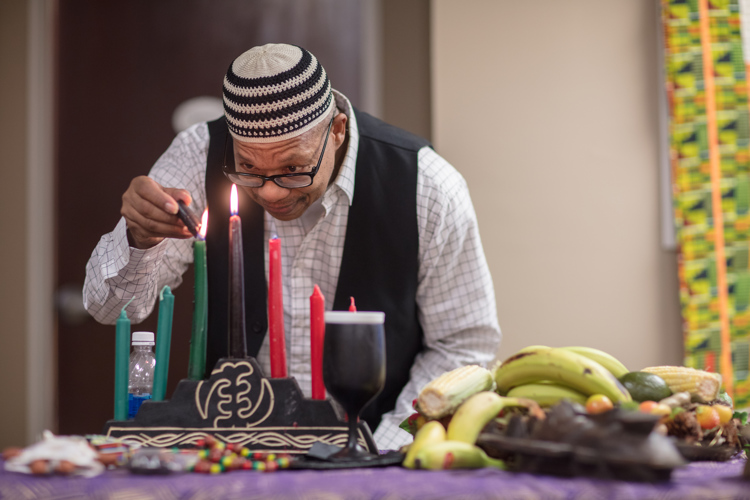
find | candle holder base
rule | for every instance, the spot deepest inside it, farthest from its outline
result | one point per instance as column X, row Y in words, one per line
column 238, row 405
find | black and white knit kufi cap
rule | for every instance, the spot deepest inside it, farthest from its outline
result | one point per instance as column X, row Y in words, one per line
column 275, row 92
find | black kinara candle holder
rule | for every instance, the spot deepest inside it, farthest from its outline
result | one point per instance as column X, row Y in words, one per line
column 238, row 405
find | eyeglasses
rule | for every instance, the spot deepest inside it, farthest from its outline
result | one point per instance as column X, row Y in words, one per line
column 288, row 181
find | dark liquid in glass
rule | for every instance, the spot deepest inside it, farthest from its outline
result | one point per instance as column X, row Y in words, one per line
column 354, row 373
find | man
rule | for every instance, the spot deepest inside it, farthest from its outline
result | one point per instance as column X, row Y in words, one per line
column 363, row 209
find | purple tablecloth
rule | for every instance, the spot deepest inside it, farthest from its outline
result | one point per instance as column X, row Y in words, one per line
column 710, row 480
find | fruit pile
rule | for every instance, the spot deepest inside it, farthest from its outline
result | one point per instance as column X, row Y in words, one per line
column 690, row 405
column 453, row 409
column 451, row 412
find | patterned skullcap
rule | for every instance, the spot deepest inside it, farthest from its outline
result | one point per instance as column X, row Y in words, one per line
column 275, row 92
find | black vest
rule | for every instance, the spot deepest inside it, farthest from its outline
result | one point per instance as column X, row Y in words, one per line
column 380, row 261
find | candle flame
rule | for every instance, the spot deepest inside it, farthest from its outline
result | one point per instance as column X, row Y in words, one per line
column 233, row 200
column 204, row 225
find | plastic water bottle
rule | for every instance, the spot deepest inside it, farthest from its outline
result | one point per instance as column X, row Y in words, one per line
column 142, row 362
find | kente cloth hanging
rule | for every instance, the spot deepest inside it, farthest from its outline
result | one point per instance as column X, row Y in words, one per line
column 709, row 135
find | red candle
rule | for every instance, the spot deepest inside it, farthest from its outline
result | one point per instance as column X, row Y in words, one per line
column 317, row 332
column 276, row 310
column 352, row 307
column 237, row 340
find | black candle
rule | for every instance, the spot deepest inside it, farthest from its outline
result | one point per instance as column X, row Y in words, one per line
column 237, row 340
column 188, row 218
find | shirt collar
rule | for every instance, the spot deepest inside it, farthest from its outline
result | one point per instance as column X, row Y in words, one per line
column 345, row 178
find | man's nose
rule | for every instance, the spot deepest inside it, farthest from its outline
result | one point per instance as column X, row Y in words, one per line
column 271, row 192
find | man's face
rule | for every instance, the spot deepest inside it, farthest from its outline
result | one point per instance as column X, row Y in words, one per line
column 296, row 155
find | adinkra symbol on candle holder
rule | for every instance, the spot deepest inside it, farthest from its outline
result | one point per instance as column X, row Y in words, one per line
column 236, row 407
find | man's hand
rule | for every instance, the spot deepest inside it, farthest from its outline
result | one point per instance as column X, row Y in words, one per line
column 149, row 210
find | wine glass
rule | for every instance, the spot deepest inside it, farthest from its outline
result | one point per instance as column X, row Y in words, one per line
column 354, row 368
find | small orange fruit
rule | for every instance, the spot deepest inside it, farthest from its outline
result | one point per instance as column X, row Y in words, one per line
column 598, row 403
column 661, row 409
column 647, row 406
column 707, row 416
column 725, row 413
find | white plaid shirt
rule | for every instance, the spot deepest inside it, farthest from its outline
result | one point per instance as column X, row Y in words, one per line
column 455, row 295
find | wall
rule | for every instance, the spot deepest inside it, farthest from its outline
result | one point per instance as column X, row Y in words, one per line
column 13, row 250
column 405, row 65
column 549, row 110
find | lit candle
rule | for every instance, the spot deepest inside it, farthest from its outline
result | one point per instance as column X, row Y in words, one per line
column 276, row 310
column 163, row 343
column 317, row 333
column 237, row 340
column 197, row 363
column 122, row 364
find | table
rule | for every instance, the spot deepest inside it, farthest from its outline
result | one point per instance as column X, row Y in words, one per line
column 709, row 480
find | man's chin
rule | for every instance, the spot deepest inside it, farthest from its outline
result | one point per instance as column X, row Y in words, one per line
column 284, row 217
column 285, row 214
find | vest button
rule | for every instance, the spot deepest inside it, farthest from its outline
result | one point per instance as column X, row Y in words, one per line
column 257, row 327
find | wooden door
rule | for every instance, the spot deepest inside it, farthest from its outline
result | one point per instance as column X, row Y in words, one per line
column 122, row 69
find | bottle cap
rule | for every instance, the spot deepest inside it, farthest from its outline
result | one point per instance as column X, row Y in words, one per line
column 143, row 338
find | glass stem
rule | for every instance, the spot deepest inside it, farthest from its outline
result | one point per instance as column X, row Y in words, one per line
column 353, row 431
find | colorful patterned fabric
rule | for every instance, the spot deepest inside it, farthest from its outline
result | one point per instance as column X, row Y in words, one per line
column 712, row 290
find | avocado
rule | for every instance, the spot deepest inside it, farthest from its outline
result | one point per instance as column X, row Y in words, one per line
column 644, row 386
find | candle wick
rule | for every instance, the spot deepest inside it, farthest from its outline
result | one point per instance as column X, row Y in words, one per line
column 128, row 303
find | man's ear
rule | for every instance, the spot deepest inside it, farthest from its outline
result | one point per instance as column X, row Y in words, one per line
column 339, row 129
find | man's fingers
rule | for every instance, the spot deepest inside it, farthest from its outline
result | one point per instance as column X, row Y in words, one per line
column 149, row 210
column 135, row 205
column 180, row 194
column 151, row 218
column 147, row 227
column 148, row 189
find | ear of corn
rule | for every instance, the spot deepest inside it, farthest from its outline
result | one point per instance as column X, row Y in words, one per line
column 445, row 393
column 702, row 385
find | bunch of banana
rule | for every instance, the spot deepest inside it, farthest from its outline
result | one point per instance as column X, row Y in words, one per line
column 431, row 450
column 548, row 375
column 436, row 448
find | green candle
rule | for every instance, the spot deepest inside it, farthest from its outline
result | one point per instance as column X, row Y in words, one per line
column 122, row 365
column 197, row 365
column 163, row 343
